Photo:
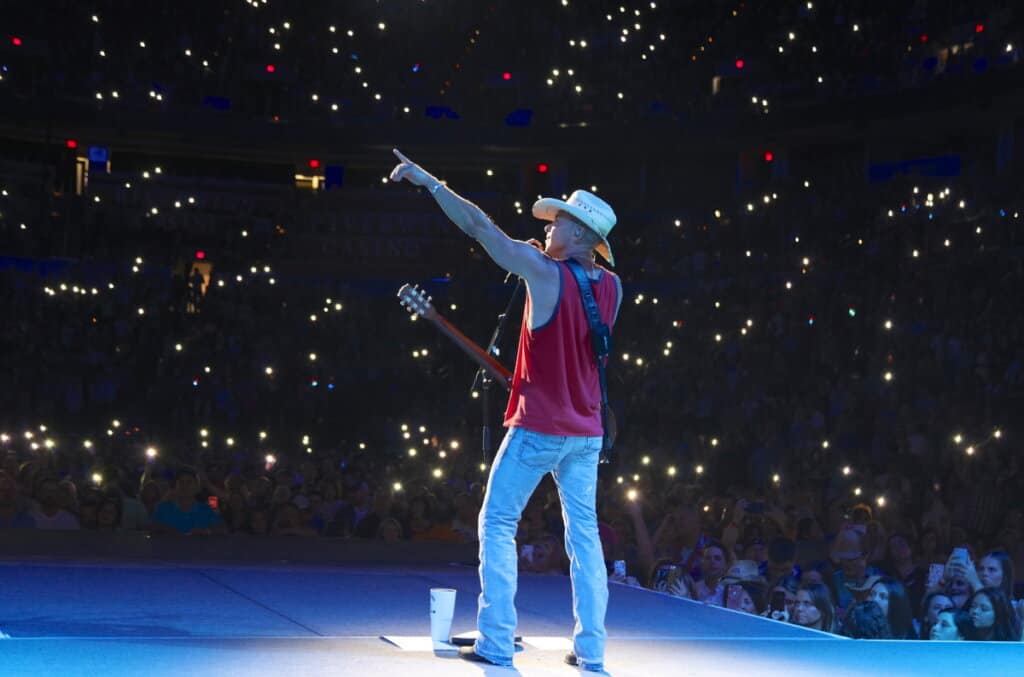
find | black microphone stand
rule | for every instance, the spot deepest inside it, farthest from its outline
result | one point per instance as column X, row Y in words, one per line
column 485, row 380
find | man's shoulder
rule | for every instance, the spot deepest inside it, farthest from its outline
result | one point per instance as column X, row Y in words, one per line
column 547, row 279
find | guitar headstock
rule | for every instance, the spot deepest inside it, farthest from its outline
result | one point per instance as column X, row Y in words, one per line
column 416, row 301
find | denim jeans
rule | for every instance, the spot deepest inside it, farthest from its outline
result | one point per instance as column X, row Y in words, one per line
column 523, row 459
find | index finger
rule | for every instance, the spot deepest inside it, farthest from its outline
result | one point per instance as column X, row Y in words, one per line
column 399, row 155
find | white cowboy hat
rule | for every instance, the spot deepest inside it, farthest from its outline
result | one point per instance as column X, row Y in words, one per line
column 592, row 211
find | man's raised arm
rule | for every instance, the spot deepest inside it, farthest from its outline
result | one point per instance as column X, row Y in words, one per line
column 522, row 258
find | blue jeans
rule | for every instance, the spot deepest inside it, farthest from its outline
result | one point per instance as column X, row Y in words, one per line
column 524, row 458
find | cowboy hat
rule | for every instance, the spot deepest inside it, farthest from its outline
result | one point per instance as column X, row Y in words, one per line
column 592, row 211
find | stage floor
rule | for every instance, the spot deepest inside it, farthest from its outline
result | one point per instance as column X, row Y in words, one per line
column 102, row 618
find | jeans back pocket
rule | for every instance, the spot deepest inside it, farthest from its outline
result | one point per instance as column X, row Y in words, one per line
column 539, row 451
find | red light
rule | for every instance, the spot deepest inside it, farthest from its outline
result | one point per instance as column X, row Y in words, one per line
column 542, row 168
column 200, row 255
column 71, row 143
column 924, row 37
column 739, row 64
column 16, row 41
column 506, row 76
column 314, row 164
column 768, row 156
column 271, row 68
column 979, row 28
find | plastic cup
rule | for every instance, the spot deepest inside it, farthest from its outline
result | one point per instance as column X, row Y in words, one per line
column 442, row 610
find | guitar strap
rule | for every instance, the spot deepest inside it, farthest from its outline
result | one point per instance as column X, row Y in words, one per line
column 601, row 343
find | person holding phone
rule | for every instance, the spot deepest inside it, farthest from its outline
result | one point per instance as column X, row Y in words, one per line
column 956, row 582
column 783, row 598
column 747, row 597
column 745, row 588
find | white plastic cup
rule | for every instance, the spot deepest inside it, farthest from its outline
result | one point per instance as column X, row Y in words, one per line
column 442, row 610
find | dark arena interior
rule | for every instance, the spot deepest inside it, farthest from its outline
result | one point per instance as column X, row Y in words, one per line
column 297, row 342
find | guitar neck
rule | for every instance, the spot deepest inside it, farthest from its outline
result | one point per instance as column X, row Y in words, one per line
column 494, row 369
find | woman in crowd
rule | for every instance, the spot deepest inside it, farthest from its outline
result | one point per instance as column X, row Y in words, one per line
column 788, row 586
column 891, row 596
column 992, row 616
column 814, row 608
column 715, row 563
column 867, row 620
column 933, row 604
column 951, row 625
column 995, row 570
column 958, row 589
column 750, row 598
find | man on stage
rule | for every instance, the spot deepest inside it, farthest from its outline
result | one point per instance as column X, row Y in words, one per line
column 554, row 410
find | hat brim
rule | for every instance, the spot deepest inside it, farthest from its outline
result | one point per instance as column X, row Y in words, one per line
column 547, row 208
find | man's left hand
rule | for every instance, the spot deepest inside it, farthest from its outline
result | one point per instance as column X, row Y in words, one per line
column 410, row 171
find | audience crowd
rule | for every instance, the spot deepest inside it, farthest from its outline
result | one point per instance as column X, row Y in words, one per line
column 334, row 65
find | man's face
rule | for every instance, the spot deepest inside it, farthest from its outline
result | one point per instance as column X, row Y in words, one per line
column 757, row 552
column 714, row 562
column 560, row 234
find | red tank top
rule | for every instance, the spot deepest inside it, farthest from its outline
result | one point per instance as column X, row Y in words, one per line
column 555, row 386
